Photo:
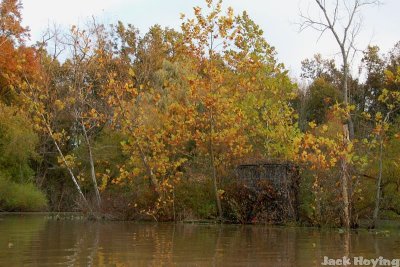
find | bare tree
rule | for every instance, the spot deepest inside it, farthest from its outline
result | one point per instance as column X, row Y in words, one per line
column 343, row 20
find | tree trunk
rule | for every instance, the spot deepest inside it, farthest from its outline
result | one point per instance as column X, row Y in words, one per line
column 214, row 176
column 378, row 187
column 73, row 178
column 345, row 77
column 346, row 140
column 93, row 175
column 92, row 170
column 212, row 159
column 345, row 194
column 70, row 172
column 150, row 173
column 213, row 167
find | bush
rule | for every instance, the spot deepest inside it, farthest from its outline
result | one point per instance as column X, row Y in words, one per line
column 20, row 197
column 245, row 204
column 195, row 200
column 128, row 203
column 320, row 206
column 17, row 145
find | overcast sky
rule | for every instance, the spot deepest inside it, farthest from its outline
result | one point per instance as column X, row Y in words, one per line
column 276, row 17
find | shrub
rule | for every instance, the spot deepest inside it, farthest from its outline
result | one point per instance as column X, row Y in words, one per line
column 128, row 203
column 20, row 197
column 247, row 204
column 195, row 200
column 17, row 144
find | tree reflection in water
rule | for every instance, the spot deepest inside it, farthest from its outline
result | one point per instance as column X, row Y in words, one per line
column 38, row 241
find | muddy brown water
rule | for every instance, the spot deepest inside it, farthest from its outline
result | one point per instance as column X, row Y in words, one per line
column 37, row 240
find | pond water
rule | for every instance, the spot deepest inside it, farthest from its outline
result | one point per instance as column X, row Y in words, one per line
column 36, row 240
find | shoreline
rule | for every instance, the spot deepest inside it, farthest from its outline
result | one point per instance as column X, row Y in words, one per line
column 383, row 225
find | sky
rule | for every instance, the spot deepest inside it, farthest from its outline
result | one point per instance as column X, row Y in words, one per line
column 278, row 19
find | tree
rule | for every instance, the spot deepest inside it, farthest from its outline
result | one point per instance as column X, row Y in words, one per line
column 218, row 132
column 382, row 124
column 146, row 94
column 378, row 109
column 374, row 67
column 322, row 95
column 18, row 142
column 343, row 21
column 10, row 22
column 266, row 93
column 66, row 103
column 84, row 88
column 17, row 61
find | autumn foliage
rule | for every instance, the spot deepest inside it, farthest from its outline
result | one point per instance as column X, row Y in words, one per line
column 152, row 126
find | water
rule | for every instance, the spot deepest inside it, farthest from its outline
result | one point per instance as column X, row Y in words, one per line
column 36, row 240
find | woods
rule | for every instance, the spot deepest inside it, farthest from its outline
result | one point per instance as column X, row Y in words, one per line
column 151, row 126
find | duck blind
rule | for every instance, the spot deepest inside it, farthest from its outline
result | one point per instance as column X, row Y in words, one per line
column 283, row 178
